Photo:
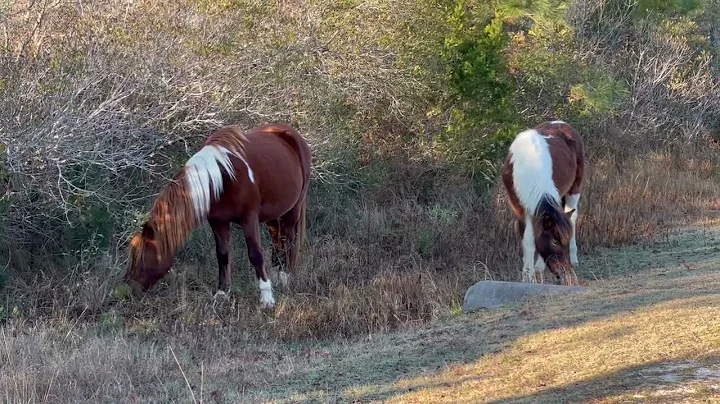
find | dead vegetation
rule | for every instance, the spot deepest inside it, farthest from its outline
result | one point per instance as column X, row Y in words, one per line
column 649, row 336
column 103, row 101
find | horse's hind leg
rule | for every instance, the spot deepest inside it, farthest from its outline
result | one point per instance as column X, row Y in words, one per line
column 571, row 203
column 251, row 229
column 290, row 224
column 277, row 247
column 221, row 231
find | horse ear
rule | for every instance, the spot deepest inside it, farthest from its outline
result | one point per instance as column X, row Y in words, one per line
column 547, row 222
column 148, row 232
column 569, row 213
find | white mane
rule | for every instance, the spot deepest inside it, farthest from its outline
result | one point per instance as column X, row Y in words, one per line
column 203, row 173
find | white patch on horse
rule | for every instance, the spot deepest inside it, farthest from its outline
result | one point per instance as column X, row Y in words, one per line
column 557, row 122
column 220, row 295
column 204, row 176
column 251, row 174
column 266, row 295
column 532, row 169
column 572, row 202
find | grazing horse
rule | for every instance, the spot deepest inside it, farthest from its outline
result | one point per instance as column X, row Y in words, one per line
column 543, row 175
column 261, row 176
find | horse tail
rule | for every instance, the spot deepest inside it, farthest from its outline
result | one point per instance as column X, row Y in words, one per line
column 306, row 163
column 302, row 226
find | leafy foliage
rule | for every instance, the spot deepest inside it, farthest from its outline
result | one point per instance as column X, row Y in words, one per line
column 482, row 117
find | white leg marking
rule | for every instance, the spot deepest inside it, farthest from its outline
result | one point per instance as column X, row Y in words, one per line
column 266, row 296
column 284, row 278
column 572, row 202
column 528, row 246
column 220, row 295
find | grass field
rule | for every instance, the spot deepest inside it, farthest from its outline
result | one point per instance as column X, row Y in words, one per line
column 409, row 106
column 647, row 330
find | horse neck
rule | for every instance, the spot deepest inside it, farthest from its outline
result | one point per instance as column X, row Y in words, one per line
column 173, row 217
column 549, row 206
column 546, row 204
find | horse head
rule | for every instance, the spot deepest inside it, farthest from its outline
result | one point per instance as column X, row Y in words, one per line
column 552, row 242
column 146, row 265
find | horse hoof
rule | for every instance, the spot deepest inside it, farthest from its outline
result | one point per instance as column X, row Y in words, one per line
column 284, row 278
column 221, row 295
column 267, row 305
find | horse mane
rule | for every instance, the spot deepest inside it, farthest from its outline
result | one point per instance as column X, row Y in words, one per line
column 173, row 215
column 549, row 208
column 532, row 169
column 231, row 137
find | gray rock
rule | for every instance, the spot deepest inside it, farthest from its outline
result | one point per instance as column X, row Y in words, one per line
column 491, row 294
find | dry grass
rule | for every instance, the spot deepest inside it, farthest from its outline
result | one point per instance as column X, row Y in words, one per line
column 650, row 336
column 396, row 264
column 102, row 101
column 115, row 94
column 577, row 363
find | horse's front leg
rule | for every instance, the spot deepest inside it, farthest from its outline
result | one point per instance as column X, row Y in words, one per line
column 571, row 203
column 221, row 231
column 251, row 228
column 528, row 250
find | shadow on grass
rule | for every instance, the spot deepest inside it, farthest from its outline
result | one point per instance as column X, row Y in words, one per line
column 369, row 370
column 666, row 381
column 669, row 381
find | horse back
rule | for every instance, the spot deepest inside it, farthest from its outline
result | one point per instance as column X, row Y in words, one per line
column 272, row 171
column 566, row 150
column 282, row 159
column 293, row 139
column 563, row 131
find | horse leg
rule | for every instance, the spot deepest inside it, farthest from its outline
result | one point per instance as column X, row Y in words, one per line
column 540, row 266
column 572, row 202
column 528, row 247
column 251, row 230
column 221, row 231
column 289, row 223
column 277, row 248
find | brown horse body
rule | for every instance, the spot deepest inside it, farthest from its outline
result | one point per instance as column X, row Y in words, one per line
column 543, row 176
column 261, row 176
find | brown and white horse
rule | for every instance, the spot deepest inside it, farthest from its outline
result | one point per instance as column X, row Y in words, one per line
column 543, row 176
column 261, row 176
